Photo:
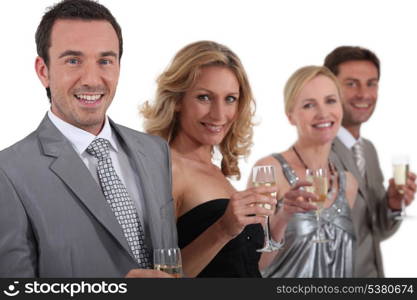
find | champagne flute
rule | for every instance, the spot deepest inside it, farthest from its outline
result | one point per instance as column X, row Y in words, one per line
column 265, row 176
column 319, row 180
column 168, row 260
column 400, row 166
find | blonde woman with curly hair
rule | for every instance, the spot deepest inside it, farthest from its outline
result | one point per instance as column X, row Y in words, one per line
column 204, row 100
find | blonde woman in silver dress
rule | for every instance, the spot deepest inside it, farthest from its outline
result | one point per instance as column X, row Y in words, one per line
column 313, row 107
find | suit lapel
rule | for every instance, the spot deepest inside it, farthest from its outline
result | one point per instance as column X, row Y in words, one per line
column 72, row 171
column 368, row 161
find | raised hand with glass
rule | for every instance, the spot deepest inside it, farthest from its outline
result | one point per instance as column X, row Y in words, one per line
column 319, row 179
column 265, row 176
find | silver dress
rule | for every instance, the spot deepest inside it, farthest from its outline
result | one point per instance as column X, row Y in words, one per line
column 300, row 256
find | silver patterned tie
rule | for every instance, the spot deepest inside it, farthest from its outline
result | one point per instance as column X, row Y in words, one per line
column 120, row 202
column 359, row 155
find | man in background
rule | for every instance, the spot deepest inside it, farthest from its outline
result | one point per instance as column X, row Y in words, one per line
column 375, row 210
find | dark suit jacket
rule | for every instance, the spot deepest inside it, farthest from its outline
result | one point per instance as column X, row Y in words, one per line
column 370, row 214
column 54, row 219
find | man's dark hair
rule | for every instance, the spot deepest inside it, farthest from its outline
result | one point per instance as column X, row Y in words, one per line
column 72, row 10
column 348, row 53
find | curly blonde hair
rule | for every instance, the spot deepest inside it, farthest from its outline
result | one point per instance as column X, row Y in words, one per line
column 161, row 117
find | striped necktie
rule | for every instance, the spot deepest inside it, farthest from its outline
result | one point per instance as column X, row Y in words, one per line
column 359, row 156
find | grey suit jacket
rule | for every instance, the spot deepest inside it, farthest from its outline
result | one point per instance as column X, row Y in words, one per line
column 54, row 219
column 370, row 214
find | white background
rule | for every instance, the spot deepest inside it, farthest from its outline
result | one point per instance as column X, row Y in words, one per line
column 272, row 38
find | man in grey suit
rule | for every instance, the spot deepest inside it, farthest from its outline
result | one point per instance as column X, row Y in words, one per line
column 358, row 71
column 60, row 215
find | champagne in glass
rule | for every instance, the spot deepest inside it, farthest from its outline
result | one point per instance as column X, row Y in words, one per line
column 400, row 166
column 400, row 176
column 176, row 271
column 319, row 180
column 267, row 184
column 168, row 260
column 310, row 174
column 265, row 176
column 320, row 185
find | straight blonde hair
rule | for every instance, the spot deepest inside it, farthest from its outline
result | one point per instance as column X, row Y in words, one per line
column 299, row 78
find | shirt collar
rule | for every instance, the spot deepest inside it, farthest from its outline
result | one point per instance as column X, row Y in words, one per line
column 347, row 138
column 81, row 139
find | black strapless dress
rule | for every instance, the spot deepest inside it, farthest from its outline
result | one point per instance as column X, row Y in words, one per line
column 238, row 258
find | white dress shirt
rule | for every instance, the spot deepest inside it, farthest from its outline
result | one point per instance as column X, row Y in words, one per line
column 81, row 139
column 347, row 138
